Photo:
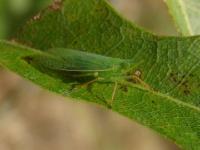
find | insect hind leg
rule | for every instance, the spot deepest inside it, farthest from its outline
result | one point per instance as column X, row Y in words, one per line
column 113, row 94
column 76, row 86
column 86, row 84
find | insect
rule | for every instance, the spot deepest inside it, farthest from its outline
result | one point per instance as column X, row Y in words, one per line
column 87, row 68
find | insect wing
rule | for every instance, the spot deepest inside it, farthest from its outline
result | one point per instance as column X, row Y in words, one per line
column 82, row 61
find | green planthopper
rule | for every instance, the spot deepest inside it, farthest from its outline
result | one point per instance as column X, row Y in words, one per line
column 86, row 68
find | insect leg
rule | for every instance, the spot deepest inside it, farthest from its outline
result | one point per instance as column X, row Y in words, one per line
column 113, row 94
column 89, row 82
column 137, row 79
column 76, row 86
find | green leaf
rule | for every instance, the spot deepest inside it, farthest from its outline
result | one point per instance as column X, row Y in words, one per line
column 186, row 14
column 12, row 57
column 169, row 66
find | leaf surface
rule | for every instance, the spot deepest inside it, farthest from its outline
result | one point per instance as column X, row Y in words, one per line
column 168, row 65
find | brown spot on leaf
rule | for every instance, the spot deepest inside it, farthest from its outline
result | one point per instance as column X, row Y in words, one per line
column 56, row 5
column 173, row 77
column 124, row 88
column 181, row 81
column 28, row 59
column 186, row 92
column 37, row 17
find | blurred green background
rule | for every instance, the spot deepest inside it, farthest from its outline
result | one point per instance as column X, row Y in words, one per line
column 14, row 13
column 34, row 119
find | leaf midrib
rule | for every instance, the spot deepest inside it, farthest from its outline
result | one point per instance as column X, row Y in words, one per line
column 157, row 93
